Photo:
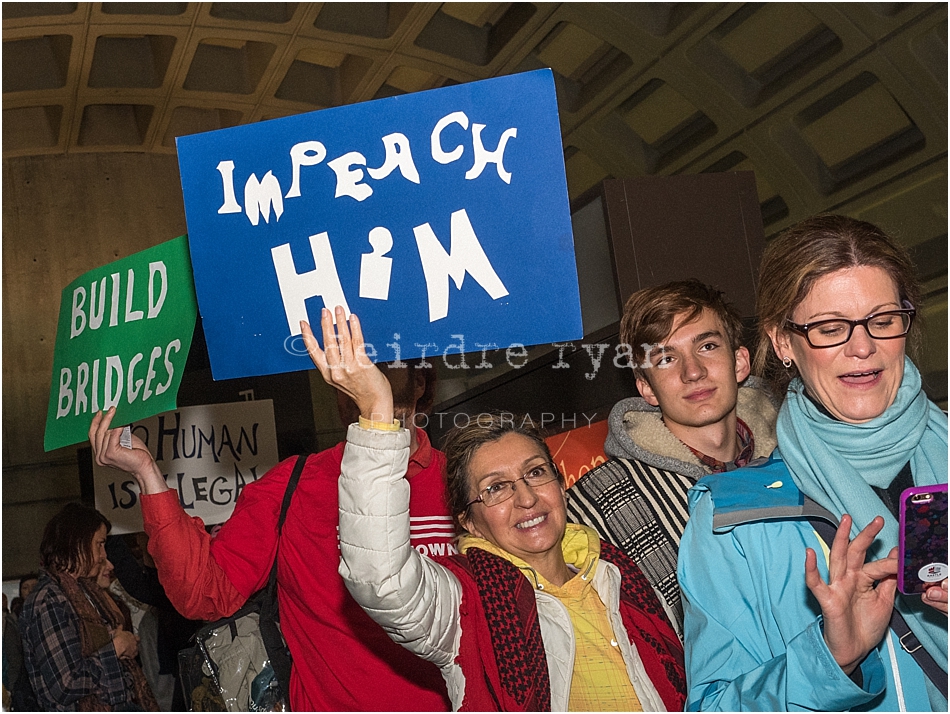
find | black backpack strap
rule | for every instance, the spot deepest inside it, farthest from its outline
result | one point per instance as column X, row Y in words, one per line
column 824, row 529
column 271, row 635
column 284, row 507
column 922, row 657
column 905, row 635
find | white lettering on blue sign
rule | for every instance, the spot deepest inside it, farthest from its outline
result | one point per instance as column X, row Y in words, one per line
column 432, row 214
column 300, row 155
column 465, row 256
column 348, row 179
column 295, row 288
column 398, row 155
column 261, row 195
column 483, row 157
column 440, row 154
column 230, row 205
column 376, row 269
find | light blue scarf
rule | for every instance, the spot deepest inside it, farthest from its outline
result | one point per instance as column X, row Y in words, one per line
column 836, row 463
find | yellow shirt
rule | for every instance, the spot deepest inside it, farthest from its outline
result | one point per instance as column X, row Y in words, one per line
column 599, row 681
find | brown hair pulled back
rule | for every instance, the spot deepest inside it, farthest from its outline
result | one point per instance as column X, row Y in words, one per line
column 808, row 251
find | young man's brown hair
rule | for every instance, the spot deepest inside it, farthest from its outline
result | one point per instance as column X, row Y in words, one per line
column 649, row 314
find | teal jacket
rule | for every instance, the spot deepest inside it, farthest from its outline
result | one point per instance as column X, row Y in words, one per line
column 752, row 629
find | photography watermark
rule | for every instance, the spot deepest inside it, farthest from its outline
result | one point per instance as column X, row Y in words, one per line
column 460, row 355
column 294, row 345
column 543, row 420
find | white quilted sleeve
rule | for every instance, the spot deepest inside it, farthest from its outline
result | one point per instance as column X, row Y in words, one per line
column 414, row 599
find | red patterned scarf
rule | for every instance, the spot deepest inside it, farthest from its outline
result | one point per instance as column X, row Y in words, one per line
column 500, row 602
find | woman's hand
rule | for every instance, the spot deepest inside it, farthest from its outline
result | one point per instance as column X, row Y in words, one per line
column 936, row 596
column 856, row 613
column 344, row 365
column 107, row 451
column 126, row 643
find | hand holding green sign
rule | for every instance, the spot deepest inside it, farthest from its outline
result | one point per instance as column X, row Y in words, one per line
column 123, row 338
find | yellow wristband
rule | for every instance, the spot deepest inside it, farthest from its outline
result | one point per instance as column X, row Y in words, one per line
column 380, row 425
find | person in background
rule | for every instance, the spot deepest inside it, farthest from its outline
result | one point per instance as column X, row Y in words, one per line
column 342, row 660
column 6, row 667
column 28, row 584
column 699, row 412
column 536, row 614
column 162, row 630
column 21, row 692
column 77, row 651
column 9, row 624
column 775, row 621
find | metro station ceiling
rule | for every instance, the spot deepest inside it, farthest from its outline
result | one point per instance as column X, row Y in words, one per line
column 835, row 106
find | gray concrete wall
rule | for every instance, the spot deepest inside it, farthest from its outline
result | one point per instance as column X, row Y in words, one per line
column 62, row 216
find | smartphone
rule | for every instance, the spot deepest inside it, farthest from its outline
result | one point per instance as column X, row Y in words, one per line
column 923, row 538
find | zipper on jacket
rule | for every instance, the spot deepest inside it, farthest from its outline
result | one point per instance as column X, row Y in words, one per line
column 895, row 670
column 592, row 563
column 534, row 576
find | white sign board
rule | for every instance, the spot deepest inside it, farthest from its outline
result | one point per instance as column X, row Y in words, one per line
column 208, row 454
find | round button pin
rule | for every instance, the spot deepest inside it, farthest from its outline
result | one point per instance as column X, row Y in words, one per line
column 933, row 573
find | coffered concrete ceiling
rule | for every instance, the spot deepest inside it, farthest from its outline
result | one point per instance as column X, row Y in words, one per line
column 826, row 102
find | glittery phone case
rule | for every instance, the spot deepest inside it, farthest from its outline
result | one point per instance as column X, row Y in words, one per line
column 923, row 538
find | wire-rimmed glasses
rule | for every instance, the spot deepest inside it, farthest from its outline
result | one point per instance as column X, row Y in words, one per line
column 500, row 491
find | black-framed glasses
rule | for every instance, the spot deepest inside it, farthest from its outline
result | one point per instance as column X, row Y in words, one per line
column 501, row 491
column 888, row 325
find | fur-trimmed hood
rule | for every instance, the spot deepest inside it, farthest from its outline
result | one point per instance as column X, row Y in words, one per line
column 637, row 431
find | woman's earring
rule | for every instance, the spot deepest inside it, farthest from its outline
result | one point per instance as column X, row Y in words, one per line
column 787, row 362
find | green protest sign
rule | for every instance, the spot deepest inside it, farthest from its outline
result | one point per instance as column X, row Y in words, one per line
column 123, row 338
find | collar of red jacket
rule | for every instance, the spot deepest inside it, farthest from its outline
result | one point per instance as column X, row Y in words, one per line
column 422, row 456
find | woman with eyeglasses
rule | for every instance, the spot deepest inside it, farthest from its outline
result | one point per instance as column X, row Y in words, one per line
column 778, row 617
column 534, row 613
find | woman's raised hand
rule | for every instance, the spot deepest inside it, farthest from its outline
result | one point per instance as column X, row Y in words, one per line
column 856, row 612
column 344, row 365
column 107, row 451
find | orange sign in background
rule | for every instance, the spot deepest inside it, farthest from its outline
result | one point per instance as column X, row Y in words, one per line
column 579, row 450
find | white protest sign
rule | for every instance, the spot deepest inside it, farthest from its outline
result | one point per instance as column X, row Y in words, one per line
column 208, row 454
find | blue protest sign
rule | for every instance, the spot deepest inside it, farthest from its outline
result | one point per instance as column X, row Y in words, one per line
column 441, row 218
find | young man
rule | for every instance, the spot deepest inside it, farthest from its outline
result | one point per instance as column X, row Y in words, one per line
column 699, row 412
column 342, row 660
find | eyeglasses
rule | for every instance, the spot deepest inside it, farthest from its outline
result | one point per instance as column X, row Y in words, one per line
column 501, row 491
column 887, row 325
